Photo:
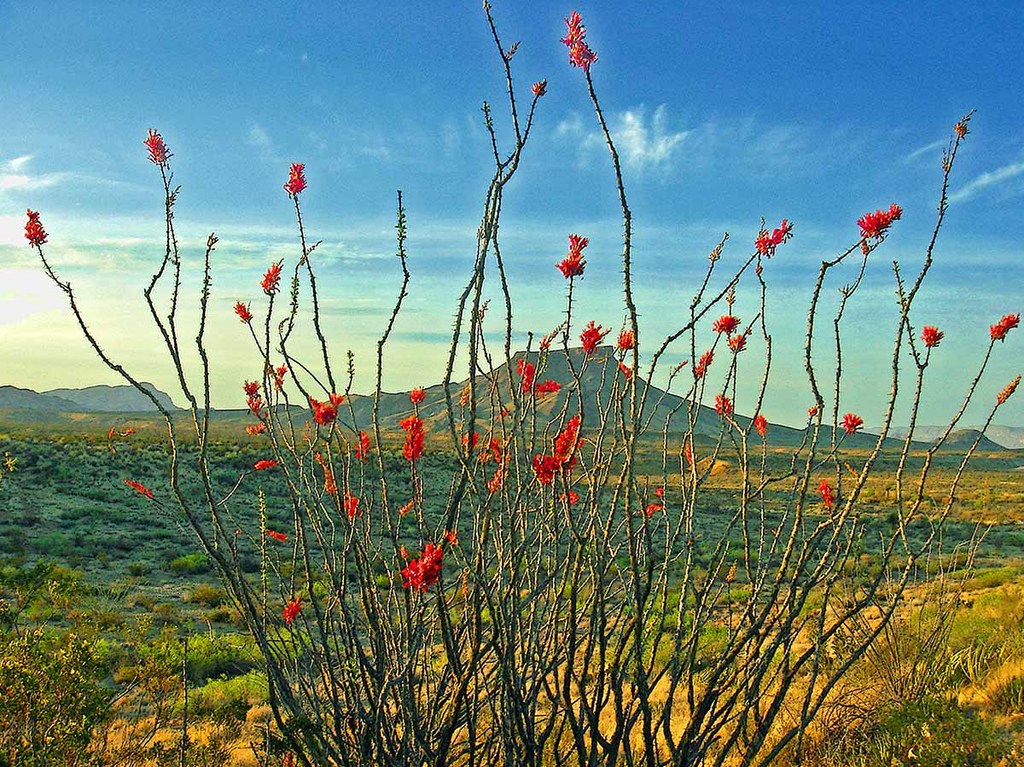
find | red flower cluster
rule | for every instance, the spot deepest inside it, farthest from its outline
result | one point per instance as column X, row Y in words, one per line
column 34, row 232
column 242, row 310
column 812, row 411
column 494, row 483
column 413, row 427
column 264, row 465
column 548, row 387
column 540, row 88
column 573, row 264
column 761, row 425
column 626, row 341
column 296, row 179
column 139, row 488
column 727, row 324
column 580, row 54
column 291, row 610
column 352, row 506
column 766, row 243
column 875, row 224
column 703, row 364
column 1007, row 391
column 651, row 508
column 526, row 371
column 253, row 398
column 828, row 498
column 272, row 279
column 626, row 370
column 417, row 395
column 591, row 336
column 563, row 457
column 723, row 405
column 326, row 412
column 255, row 429
column 852, row 422
column 1004, row 326
column 363, row 448
column 738, row 342
column 158, row 153
column 276, row 535
column 422, row 573
column 931, row 336
column 279, row 374
column 330, row 486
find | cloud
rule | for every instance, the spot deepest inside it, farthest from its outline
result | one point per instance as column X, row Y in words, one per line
column 996, row 176
column 258, row 139
column 927, row 149
column 14, row 175
column 645, row 146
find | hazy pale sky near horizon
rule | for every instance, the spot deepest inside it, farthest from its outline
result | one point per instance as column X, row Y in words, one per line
column 808, row 111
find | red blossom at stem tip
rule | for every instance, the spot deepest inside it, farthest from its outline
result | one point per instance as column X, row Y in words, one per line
column 255, row 429
column 263, row 465
column 875, row 224
column 242, row 310
column 326, row 412
column 526, row 372
column 417, row 395
column 422, row 573
column 296, row 179
column 761, row 425
column 574, row 264
column 158, row 154
column 580, row 54
column 540, row 88
column 828, row 498
column 352, row 506
column 272, row 279
column 413, row 447
column 738, row 342
column 563, row 456
column 591, row 336
column 291, row 610
column 1004, row 326
column 931, row 336
column 548, row 387
column 727, row 324
column 34, row 232
column 627, row 340
column 766, row 243
column 852, row 422
column 276, row 535
column 1007, row 391
column 703, row 364
column 363, row 448
column 723, row 405
column 139, row 488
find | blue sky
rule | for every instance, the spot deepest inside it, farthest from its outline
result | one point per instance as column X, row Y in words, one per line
column 723, row 114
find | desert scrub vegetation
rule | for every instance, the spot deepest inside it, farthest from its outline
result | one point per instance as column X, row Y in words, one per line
column 487, row 571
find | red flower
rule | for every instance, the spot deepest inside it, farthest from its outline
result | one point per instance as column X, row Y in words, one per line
column 407, row 507
column 296, row 179
column 812, row 411
column 417, row 395
column 540, row 88
column 574, row 264
column 931, row 336
column 139, row 488
column 875, row 224
column 651, row 508
column 352, row 506
column 852, row 422
column 330, row 486
column 563, row 457
column 723, row 405
column 727, row 324
column 264, row 465
column 242, row 310
column 326, row 412
column 291, row 610
column 766, row 243
column 279, row 374
column 252, row 388
column 413, row 427
column 158, row 153
column 363, row 448
column 591, row 336
column 761, row 424
column 571, row 498
column 703, row 364
column 276, row 535
column 827, row 496
column 254, row 429
column 34, row 232
column 253, row 398
column 548, row 387
column 580, row 54
column 1007, row 391
column 738, row 342
column 271, row 279
column 545, row 467
column 526, row 372
column 1005, row 325
column 470, row 440
column 659, row 492
column 420, row 574
column 626, row 370
column 626, row 340
column 494, row 483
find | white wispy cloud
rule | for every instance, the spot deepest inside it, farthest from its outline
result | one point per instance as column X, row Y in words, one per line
column 645, row 145
column 259, row 140
column 926, row 149
column 985, row 180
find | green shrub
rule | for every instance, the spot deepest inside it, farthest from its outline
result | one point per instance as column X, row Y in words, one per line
column 190, row 564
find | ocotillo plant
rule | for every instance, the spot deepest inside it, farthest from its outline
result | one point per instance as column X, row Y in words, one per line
column 560, row 602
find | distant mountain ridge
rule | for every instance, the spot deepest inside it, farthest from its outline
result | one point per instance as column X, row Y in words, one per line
column 90, row 399
column 1007, row 437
